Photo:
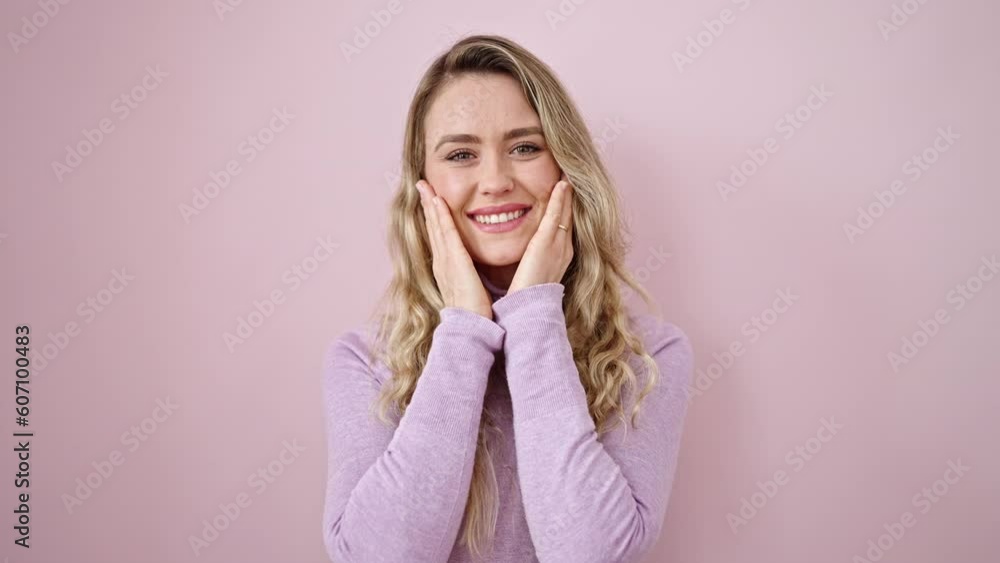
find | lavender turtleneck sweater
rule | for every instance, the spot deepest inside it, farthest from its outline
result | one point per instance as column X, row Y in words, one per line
column 399, row 494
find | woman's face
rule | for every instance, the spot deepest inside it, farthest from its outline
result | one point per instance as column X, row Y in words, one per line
column 484, row 148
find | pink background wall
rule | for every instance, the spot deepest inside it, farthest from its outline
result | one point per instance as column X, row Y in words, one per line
column 315, row 197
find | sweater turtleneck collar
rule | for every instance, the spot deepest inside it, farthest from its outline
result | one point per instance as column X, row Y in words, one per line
column 494, row 291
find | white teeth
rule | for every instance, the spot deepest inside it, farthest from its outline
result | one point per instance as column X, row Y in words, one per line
column 500, row 217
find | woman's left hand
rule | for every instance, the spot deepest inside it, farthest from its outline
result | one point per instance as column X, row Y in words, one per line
column 551, row 249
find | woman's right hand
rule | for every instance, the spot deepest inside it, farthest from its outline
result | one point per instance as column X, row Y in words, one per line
column 456, row 275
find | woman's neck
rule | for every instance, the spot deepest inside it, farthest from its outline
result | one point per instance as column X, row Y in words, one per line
column 499, row 276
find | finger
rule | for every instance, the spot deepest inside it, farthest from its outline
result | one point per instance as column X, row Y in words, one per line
column 553, row 211
column 446, row 228
column 430, row 218
column 442, row 213
column 442, row 221
column 566, row 216
column 428, row 189
column 567, row 220
column 433, row 211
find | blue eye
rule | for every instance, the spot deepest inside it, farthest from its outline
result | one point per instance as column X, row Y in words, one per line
column 533, row 148
column 455, row 154
column 466, row 155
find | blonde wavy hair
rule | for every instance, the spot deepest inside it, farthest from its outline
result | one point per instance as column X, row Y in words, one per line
column 597, row 324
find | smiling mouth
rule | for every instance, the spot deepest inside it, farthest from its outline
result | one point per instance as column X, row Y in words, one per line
column 496, row 223
column 499, row 218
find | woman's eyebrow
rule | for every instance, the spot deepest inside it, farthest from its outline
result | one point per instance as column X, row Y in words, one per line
column 466, row 138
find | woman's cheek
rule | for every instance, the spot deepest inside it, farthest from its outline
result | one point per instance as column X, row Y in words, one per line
column 542, row 174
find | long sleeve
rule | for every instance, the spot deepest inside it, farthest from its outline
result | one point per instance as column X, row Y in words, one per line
column 399, row 495
column 588, row 499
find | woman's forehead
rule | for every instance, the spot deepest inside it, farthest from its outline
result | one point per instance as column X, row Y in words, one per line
column 485, row 106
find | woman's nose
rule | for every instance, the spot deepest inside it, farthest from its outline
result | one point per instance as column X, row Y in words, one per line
column 496, row 178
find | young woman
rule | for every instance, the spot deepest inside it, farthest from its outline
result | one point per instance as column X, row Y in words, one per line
column 507, row 405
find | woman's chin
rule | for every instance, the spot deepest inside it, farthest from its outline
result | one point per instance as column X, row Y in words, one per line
column 498, row 258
